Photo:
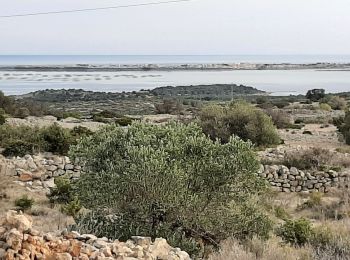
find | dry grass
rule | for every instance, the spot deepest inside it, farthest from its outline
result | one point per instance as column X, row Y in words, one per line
column 263, row 250
column 46, row 219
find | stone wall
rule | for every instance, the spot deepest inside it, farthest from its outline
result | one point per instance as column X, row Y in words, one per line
column 39, row 171
column 284, row 179
column 18, row 240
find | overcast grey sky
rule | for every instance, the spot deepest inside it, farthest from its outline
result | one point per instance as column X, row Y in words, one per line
column 198, row 27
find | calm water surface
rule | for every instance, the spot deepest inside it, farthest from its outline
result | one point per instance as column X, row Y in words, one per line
column 277, row 82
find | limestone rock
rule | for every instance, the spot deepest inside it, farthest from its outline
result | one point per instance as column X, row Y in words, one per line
column 19, row 221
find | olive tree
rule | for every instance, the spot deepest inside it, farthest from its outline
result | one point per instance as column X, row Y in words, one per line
column 169, row 181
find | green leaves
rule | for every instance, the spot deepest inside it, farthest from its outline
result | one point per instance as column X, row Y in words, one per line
column 161, row 179
column 240, row 119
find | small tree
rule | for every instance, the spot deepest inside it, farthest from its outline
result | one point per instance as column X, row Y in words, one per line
column 315, row 94
column 241, row 119
column 169, row 181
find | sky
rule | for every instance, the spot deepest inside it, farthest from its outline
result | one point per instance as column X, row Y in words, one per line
column 199, row 27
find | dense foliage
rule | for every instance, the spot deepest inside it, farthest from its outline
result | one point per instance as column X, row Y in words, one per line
column 22, row 107
column 241, row 119
column 206, row 92
column 169, row 181
column 315, row 94
column 22, row 140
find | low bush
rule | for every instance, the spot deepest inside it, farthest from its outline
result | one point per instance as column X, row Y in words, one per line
column 240, row 119
column 124, row 121
column 281, row 213
column 307, row 159
column 337, row 103
column 325, row 107
column 296, row 232
column 18, row 148
column 169, row 106
column 24, row 203
column 63, row 191
column 280, row 118
column 80, row 131
column 72, row 208
column 315, row 200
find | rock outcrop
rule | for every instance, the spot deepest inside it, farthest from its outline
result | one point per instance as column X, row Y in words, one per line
column 18, row 240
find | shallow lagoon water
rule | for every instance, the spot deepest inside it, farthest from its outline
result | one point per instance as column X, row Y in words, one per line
column 278, row 82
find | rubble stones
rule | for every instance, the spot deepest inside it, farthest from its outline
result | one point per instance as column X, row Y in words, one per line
column 16, row 243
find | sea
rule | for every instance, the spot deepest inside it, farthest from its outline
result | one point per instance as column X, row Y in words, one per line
column 277, row 82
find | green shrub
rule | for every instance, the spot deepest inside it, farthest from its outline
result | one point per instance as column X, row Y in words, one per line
column 21, row 140
column 169, row 181
column 296, row 232
column 312, row 158
column 279, row 118
column 18, row 148
column 80, row 131
column 169, row 106
column 124, row 121
column 10, row 134
column 280, row 103
column 315, row 200
column 325, row 107
column 240, row 119
column 315, row 94
column 63, row 191
column 57, row 139
column 22, row 112
column 337, row 103
column 72, row 208
column 281, row 213
column 24, row 203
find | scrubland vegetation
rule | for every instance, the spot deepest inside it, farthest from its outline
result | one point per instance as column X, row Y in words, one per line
column 195, row 183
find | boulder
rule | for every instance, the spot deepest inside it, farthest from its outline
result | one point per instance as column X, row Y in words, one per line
column 19, row 221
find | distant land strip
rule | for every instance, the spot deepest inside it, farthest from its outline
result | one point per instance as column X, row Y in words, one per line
column 176, row 67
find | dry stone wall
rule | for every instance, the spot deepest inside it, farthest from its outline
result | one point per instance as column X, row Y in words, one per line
column 38, row 172
column 286, row 179
column 18, row 240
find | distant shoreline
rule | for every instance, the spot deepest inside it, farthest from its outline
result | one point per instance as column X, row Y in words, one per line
column 176, row 67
